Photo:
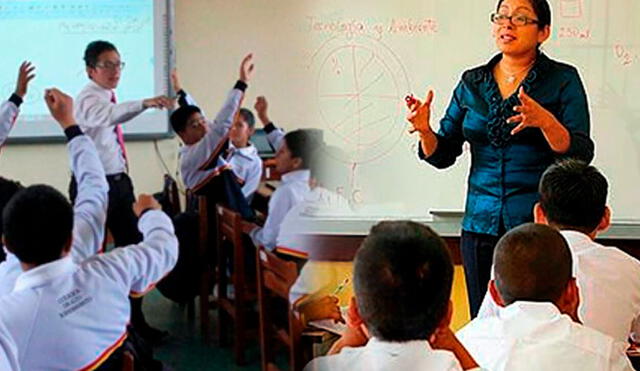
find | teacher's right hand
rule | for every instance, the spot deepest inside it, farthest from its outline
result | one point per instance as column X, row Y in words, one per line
column 420, row 114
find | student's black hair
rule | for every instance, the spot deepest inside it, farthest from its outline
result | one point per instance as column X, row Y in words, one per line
column 402, row 281
column 37, row 223
column 532, row 262
column 542, row 10
column 248, row 117
column 573, row 195
column 180, row 117
column 304, row 143
column 94, row 49
column 8, row 188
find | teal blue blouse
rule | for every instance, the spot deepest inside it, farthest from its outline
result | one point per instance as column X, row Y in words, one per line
column 505, row 168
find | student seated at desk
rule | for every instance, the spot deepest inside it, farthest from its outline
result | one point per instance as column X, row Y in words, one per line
column 9, row 110
column 402, row 275
column 240, row 154
column 204, row 139
column 63, row 315
column 537, row 326
column 573, row 199
column 292, row 162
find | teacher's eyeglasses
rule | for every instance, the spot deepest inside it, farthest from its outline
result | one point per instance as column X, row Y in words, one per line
column 518, row 20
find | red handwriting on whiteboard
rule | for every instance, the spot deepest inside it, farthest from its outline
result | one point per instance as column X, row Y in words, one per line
column 625, row 56
column 574, row 33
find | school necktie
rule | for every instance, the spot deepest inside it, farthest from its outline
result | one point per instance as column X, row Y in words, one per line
column 120, row 135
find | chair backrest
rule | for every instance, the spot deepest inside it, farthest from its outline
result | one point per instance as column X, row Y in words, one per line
column 275, row 277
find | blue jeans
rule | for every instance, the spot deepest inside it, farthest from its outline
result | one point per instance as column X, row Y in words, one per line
column 477, row 258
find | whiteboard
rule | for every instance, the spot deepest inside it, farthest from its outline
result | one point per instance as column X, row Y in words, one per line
column 54, row 34
column 345, row 66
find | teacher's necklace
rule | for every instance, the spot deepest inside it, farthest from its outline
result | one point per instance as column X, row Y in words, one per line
column 510, row 78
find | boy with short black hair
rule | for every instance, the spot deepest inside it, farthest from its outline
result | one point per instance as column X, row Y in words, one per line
column 573, row 199
column 65, row 315
column 403, row 275
column 537, row 326
column 201, row 142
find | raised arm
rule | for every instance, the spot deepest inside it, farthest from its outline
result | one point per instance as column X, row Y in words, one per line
column 94, row 111
column 140, row 266
column 227, row 113
column 9, row 110
column 275, row 135
column 90, row 209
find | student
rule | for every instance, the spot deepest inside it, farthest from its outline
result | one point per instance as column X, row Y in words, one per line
column 241, row 154
column 101, row 117
column 573, row 199
column 89, row 210
column 402, row 275
column 537, row 327
column 292, row 162
column 63, row 315
column 275, row 135
column 9, row 110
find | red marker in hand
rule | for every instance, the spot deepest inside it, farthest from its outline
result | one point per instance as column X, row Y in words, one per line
column 410, row 99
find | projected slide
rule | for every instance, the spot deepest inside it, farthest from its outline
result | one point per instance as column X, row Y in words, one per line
column 54, row 34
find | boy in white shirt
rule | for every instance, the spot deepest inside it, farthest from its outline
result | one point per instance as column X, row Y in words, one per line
column 573, row 199
column 241, row 154
column 292, row 163
column 537, row 326
column 65, row 315
column 9, row 110
column 402, row 276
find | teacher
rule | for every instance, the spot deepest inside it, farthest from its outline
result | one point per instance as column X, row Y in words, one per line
column 520, row 112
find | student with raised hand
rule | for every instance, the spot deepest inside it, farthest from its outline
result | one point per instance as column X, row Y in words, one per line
column 292, row 162
column 573, row 199
column 202, row 142
column 400, row 317
column 275, row 135
column 100, row 117
column 66, row 315
column 9, row 110
column 537, row 326
column 90, row 208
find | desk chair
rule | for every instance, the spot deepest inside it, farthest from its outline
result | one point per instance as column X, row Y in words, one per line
column 232, row 229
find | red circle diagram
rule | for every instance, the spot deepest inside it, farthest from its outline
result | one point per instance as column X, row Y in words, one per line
column 360, row 89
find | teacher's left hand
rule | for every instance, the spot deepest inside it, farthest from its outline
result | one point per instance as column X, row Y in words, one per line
column 531, row 114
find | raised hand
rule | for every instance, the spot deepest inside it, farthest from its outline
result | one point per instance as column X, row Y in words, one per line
column 175, row 82
column 420, row 114
column 246, row 68
column 531, row 114
column 61, row 107
column 25, row 74
column 144, row 202
column 261, row 107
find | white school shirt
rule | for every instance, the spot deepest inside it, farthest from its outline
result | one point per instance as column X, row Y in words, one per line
column 8, row 114
column 275, row 138
column 8, row 351
column 194, row 156
column 89, row 211
column 380, row 355
column 292, row 190
column 68, row 316
column 536, row 336
column 609, row 284
column 97, row 116
column 247, row 167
